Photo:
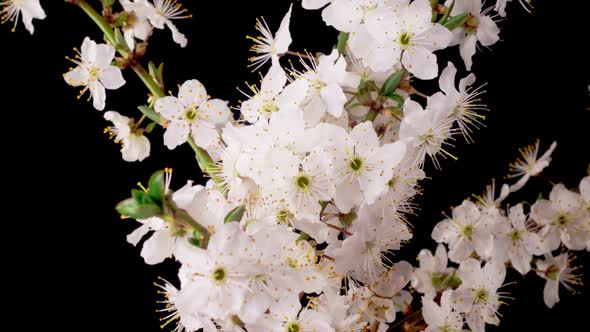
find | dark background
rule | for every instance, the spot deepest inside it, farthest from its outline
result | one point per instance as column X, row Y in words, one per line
column 69, row 265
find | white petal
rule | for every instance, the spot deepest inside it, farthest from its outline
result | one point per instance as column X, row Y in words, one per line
column 104, row 54
column 111, row 77
column 344, row 15
column 214, row 111
column 99, row 96
column 176, row 134
column 77, row 76
column 467, row 50
column 178, row 37
column 551, row 293
column 283, row 36
column 135, row 148
column 170, row 108
column 487, row 31
column 334, row 98
column 204, row 134
column 420, row 62
column 157, row 248
column 314, row 4
column 192, row 93
column 446, row 80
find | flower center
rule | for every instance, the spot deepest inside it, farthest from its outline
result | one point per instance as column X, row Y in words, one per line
column 190, row 113
column 481, row 295
column 467, row 230
column 562, row 220
column 284, row 216
column 552, row 272
column 293, row 327
column 515, row 235
column 356, row 164
column 471, row 24
column 302, row 183
column 93, row 72
column 219, row 275
column 405, row 39
column 270, row 107
column 392, row 182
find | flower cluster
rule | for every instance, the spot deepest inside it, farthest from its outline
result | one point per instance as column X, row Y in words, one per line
column 313, row 178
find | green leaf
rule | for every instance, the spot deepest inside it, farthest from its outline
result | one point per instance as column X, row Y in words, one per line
column 156, row 186
column 302, row 237
column 160, row 75
column 451, row 281
column 150, row 127
column 436, row 279
column 120, row 40
column 445, row 16
column 152, row 70
column 235, row 214
column 392, row 82
column 398, row 98
column 342, row 40
column 150, row 113
column 456, row 21
column 131, row 208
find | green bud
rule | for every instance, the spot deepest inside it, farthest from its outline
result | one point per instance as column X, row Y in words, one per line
column 150, row 113
column 131, row 208
column 120, row 40
column 141, row 197
column 392, row 83
column 342, row 39
column 457, row 21
column 451, row 281
column 156, row 186
column 235, row 215
column 302, row 237
column 196, row 239
column 149, row 128
column 436, row 279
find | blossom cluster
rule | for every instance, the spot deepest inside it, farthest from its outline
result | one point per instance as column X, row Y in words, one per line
column 314, row 174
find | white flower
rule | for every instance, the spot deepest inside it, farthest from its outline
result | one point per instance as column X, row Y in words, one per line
column 557, row 270
column 306, row 320
column 192, row 113
column 362, row 166
column 443, row 317
column 462, row 105
column 431, row 268
column 138, row 26
column 218, row 278
column 478, row 295
column 344, row 15
column 326, row 80
column 135, row 147
column 478, row 27
column 426, row 130
column 409, row 34
column 268, row 46
column 312, row 184
column 515, row 242
column 273, row 96
column 363, row 253
column 500, row 6
column 529, row 165
column 161, row 13
column 95, row 72
column 338, row 307
column 563, row 218
column 27, row 9
column 465, row 232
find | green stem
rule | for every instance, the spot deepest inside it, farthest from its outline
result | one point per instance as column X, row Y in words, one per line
column 148, row 81
column 97, row 18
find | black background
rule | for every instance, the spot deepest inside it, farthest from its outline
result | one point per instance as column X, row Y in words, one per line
column 68, row 263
